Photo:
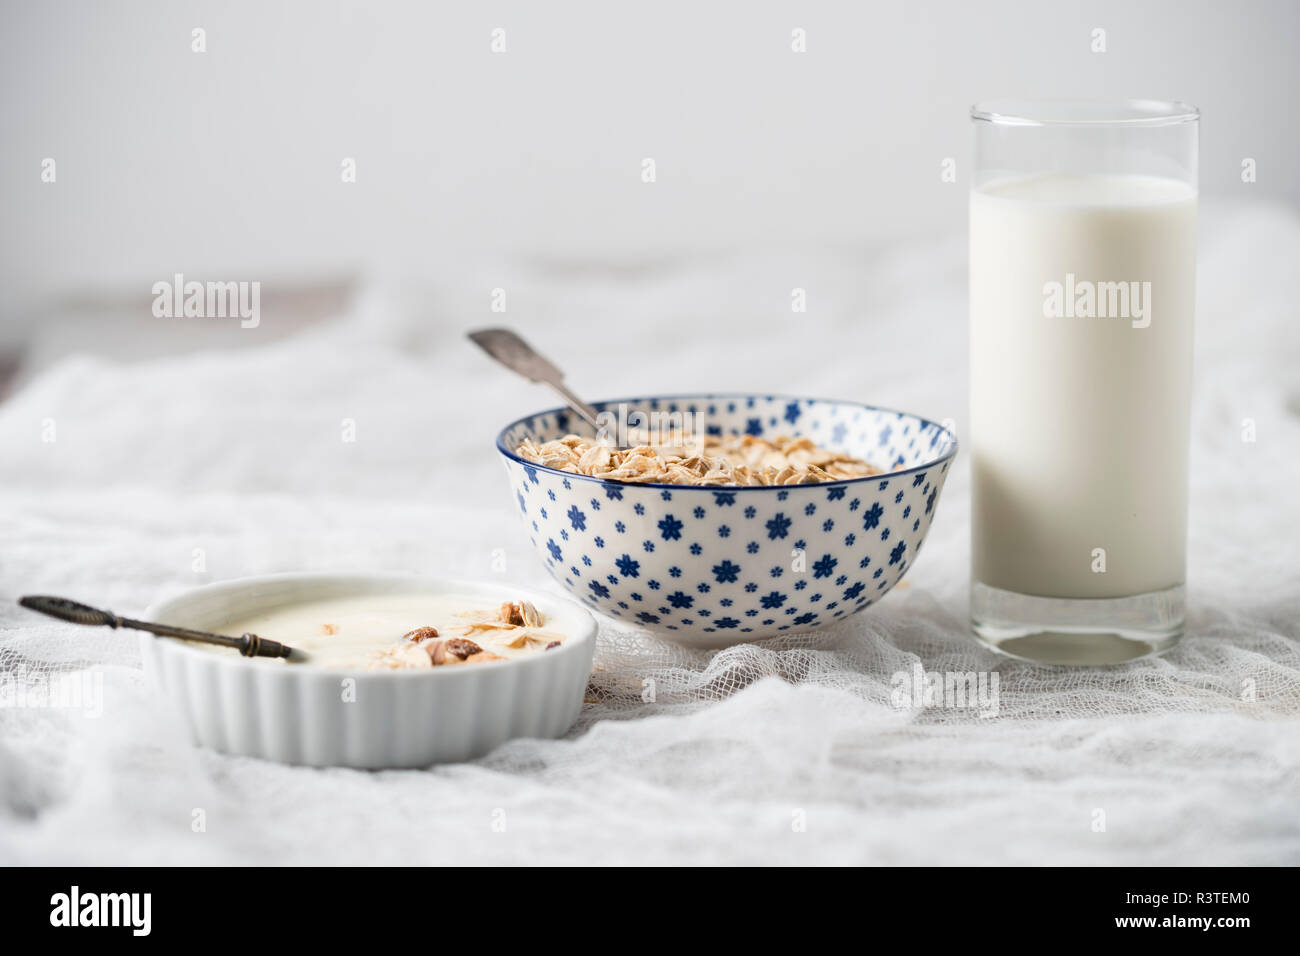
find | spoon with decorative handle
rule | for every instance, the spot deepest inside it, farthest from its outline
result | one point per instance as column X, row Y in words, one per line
column 250, row 645
column 518, row 356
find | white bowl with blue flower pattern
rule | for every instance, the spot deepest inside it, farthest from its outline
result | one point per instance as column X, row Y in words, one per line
column 711, row 567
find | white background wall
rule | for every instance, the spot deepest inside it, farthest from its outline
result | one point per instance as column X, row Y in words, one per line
column 227, row 164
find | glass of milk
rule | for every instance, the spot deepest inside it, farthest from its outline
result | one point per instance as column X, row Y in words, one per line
column 1082, row 298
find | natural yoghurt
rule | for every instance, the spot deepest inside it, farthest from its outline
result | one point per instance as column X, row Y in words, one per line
column 402, row 632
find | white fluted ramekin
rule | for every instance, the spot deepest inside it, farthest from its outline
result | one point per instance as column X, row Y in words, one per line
column 299, row 714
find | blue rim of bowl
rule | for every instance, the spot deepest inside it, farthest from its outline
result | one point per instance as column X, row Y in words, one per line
column 843, row 482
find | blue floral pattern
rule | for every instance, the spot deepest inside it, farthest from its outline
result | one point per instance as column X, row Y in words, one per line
column 741, row 560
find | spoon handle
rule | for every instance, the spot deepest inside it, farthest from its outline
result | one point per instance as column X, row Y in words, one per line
column 250, row 645
column 517, row 355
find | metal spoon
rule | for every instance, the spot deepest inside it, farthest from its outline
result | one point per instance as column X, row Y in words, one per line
column 250, row 645
column 517, row 355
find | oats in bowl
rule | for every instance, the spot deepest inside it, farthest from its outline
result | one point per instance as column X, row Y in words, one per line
column 714, row 562
column 718, row 460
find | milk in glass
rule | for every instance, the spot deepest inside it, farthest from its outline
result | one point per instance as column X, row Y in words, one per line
column 1081, row 310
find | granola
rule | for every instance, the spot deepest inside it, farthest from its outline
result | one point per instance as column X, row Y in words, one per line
column 411, row 630
column 719, row 460
column 516, row 625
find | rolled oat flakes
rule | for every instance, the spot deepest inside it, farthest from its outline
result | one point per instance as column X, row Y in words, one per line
column 729, row 460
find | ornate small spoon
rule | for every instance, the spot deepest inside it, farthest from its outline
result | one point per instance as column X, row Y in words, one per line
column 518, row 356
column 250, row 645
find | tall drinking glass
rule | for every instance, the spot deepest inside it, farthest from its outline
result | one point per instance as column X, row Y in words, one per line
column 1082, row 297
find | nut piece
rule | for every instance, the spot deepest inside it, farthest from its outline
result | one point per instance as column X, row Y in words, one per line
column 421, row 634
column 457, row 647
column 530, row 615
column 462, row 647
column 520, row 614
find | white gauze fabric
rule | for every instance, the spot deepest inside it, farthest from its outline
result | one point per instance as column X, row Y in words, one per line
column 171, row 472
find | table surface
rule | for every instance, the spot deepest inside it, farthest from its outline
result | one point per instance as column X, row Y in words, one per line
column 123, row 481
